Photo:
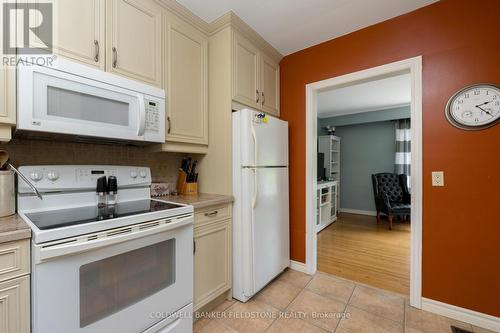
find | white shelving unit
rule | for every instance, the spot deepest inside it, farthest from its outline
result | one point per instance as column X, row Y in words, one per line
column 329, row 145
column 326, row 204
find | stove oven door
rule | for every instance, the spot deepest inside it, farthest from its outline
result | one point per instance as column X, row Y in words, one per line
column 123, row 280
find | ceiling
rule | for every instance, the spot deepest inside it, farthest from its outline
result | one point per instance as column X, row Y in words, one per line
column 293, row 25
column 386, row 93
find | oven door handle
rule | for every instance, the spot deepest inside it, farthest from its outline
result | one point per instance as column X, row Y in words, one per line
column 90, row 242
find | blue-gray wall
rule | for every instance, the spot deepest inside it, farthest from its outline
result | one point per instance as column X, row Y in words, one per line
column 365, row 149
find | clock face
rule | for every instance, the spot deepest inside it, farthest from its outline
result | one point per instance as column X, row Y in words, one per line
column 474, row 107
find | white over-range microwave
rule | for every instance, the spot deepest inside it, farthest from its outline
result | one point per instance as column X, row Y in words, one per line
column 87, row 104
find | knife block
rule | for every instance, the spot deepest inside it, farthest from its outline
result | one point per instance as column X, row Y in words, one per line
column 183, row 187
column 190, row 189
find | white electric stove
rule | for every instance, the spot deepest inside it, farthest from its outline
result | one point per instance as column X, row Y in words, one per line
column 121, row 268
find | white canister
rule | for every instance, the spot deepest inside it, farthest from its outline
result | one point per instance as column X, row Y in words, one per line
column 7, row 193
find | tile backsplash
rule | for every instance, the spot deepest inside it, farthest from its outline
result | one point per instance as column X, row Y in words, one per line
column 164, row 166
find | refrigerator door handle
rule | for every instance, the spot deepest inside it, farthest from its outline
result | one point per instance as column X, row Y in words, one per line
column 254, row 200
column 254, row 137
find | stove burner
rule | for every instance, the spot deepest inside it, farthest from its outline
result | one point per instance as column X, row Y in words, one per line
column 80, row 215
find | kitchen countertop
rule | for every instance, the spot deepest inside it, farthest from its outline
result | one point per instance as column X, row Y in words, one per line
column 13, row 228
column 201, row 200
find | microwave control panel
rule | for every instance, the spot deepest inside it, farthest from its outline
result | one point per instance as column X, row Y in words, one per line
column 152, row 116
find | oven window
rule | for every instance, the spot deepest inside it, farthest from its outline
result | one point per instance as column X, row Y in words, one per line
column 65, row 103
column 112, row 284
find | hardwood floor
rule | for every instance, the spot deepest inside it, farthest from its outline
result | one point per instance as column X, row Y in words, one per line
column 356, row 248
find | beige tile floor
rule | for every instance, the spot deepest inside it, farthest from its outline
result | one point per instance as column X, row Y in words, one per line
column 296, row 302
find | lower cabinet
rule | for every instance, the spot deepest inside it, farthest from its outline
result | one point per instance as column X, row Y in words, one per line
column 212, row 254
column 15, row 287
column 327, row 199
column 15, row 305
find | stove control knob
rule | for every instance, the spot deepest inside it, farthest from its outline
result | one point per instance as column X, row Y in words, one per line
column 143, row 174
column 53, row 175
column 36, row 176
column 133, row 174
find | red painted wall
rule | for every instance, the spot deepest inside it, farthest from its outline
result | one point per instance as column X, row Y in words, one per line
column 459, row 41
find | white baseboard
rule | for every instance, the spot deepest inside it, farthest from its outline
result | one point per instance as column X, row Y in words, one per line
column 298, row 266
column 358, row 211
column 468, row 316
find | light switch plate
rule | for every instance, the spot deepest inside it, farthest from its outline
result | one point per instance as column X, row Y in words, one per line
column 437, row 178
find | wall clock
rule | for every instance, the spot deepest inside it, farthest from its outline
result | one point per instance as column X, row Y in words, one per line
column 474, row 107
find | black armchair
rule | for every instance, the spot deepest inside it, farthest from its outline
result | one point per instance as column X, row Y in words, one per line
column 392, row 197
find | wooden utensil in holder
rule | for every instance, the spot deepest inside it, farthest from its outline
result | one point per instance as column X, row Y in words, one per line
column 183, row 187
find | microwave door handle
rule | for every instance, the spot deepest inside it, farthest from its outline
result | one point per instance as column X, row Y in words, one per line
column 141, row 116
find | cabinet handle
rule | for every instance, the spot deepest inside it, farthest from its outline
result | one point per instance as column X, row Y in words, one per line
column 96, row 46
column 211, row 213
column 169, row 125
column 115, row 57
column 263, row 99
column 194, row 246
column 258, row 96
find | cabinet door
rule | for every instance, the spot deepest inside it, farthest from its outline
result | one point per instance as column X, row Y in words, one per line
column 7, row 97
column 15, row 305
column 79, row 31
column 333, row 201
column 134, row 39
column 212, row 261
column 270, row 78
column 186, row 80
column 246, row 75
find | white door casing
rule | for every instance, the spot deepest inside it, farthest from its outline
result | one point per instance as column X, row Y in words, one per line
column 414, row 67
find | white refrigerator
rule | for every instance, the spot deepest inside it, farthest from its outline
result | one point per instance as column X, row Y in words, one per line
column 261, row 247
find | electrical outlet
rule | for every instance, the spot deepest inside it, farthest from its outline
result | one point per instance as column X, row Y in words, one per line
column 437, row 178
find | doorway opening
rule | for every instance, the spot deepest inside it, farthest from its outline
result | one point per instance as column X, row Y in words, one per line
column 345, row 196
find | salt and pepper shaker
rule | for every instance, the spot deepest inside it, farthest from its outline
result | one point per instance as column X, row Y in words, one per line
column 107, row 191
column 101, row 190
column 112, row 190
column 102, row 213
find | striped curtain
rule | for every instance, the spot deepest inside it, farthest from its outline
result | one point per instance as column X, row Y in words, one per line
column 403, row 148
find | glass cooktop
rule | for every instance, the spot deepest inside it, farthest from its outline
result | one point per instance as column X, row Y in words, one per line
column 80, row 215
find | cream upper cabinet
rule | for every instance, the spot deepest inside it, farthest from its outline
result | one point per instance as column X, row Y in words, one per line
column 134, row 39
column 7, row 102
column 79, row 31
column 120, row 36
column 246, row 75
column 255, row 80
column 270, row 80
column 186, row 80
column 212, row 255
column 7, row 97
